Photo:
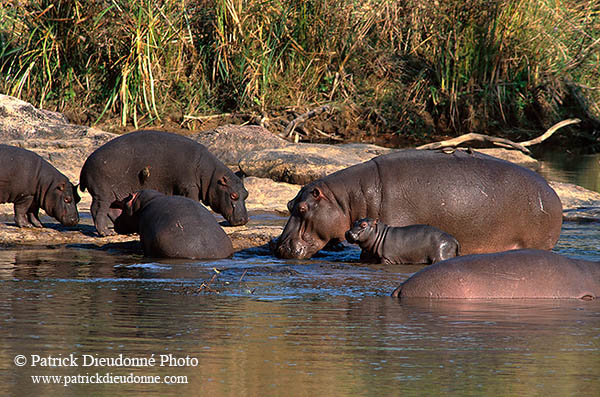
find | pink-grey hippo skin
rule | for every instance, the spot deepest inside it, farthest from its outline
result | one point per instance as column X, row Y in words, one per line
column 487, row 204
column 163, row 161
column 172, row 226
column 401, row 245
column 517, row 274
column 31, row 183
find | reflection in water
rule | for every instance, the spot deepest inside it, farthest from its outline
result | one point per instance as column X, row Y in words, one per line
column 336, row 345
column 282, row 327
column 582, row 170
column 308, row 326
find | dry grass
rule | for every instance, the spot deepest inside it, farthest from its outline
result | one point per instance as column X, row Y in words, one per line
column 408, row 67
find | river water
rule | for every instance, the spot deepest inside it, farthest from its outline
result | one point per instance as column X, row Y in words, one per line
column 257, row 325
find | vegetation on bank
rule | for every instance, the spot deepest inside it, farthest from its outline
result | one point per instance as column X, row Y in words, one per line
column 411, row 68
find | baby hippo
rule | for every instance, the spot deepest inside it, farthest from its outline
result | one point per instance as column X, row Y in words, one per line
column 397, row 245
column 172, row 226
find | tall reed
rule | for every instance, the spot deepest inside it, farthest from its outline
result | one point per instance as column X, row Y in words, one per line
column 417, row 65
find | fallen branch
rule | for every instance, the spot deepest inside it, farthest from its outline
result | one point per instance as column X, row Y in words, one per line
column 522, row 146
column 454, row 142
column 550, row 131
column 289, row 130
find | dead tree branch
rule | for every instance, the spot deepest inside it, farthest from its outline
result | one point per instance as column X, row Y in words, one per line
column 289, row 130
column 522, row 146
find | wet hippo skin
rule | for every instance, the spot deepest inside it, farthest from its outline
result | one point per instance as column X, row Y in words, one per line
column 398, row 245
column 173, row 226
column 527, row 273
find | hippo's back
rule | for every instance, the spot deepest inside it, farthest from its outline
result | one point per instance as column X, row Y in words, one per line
column 510, row 275
column 476, row 198
column 178, row 227
column 141, row 159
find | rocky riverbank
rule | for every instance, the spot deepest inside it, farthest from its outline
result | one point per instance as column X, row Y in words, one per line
column 274, row 171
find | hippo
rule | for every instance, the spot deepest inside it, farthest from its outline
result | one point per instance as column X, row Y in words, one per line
column 31, row 183
column 487, row 204
column 172, row 226
column 398, row 245
column 523, row 273
column 163, row 161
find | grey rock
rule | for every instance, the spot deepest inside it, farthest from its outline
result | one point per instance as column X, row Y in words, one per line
column 302, row 163
column 232, row 142
column 575, row 197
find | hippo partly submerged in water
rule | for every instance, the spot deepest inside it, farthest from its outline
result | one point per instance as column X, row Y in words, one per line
column 398, row 245
column 487, row 204
column 172, row 226
column 516, row 274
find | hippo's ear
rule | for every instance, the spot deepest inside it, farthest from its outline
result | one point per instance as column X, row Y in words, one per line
column 61, row 186
column 223, row 181
column 127, row 203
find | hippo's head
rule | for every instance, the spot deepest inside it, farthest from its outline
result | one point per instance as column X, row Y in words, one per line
column 128, row 220
column 60, row 202
column 361, row 230
column 228, row 198
column 315, row 218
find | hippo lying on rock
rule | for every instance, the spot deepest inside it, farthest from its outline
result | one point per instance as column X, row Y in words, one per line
column 31, row 183
column 172, row 226
column 487, row 204
column 169, row 163
column 513, row 274
column 397, row 245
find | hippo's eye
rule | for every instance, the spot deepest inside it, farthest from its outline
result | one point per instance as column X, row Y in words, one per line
column 68, row 200
column 364, row 225
column 234, row 196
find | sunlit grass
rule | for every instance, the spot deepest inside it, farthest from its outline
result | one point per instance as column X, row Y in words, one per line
column 416, row 65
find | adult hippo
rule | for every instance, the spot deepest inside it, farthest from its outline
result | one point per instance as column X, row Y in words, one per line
column 172, row 226
column 31, row 183
column 527, row 273
column 486, row 203
column 166, row 162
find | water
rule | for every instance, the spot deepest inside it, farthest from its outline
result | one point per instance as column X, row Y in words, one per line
column 257, row 325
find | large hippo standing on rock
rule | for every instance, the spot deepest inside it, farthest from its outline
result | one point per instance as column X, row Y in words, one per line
column 169, row 163
column 513, row 274
column 172, row 226
column 31, row 183
column 487, row 204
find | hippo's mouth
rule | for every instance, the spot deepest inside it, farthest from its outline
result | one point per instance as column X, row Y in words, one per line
column 296, row 248
column 352, row 237
column 72, row 220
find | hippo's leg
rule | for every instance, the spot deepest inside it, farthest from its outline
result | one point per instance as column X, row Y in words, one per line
column 99, row 210
column 33, row 216
column 21, row 209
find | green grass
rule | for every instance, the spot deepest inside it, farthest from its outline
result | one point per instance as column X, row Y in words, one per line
column 409, row 67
